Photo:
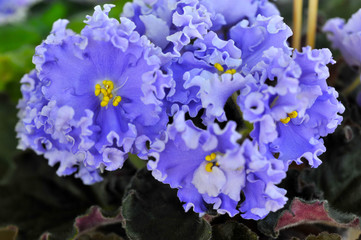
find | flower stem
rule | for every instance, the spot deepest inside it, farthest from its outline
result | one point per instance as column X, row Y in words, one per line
column 312, row 22
column 352, row 87
column 248, row 127
column 297, row 24
column 234, row 99
column 136, row 161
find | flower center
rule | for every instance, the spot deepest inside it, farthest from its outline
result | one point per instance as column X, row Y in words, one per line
column 220, row 68
column 104, row 90
column 286, row 120
column 211, row 163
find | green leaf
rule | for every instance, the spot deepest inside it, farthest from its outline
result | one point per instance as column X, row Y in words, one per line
column 55, row 11
column 99, row 236
column 18, row 35
column 13, row 66
column 339, row 175
column 94, row 219
column 37, row 200
column 305, row 212
column 324, row 236
column 232, row 231
column 94, row 225
column 331, row 8
column 111, row 190
column 152, row 211
column 8, row 141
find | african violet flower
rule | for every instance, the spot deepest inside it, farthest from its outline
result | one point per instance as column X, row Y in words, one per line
column 212, row 69
column 346, row 37
column 291, row 105
column 13, row 10
column 173, row 24
column 196, row 77
column 95, row 97
column 210, row 169
column 169, row 24
column 201, row 64
column 108, row 91
column 230, row 12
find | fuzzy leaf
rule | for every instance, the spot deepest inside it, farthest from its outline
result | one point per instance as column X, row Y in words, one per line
column 37, row 200
column 99, row 236
column 94, row 219
column 306, row 212
column 340, row 173
column 152, row 211
column 232, row 231
column 324, row 236
column 8, row 142
column 94, row 226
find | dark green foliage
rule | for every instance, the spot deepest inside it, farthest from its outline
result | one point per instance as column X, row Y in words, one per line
column 325, row 236
column 36, row 200
column 339, row 176
column 151, row 210
column 232, row 231
column 95, row 226
column 8, row 142
column 303, row 212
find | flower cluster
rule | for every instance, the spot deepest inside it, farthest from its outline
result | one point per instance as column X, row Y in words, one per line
column 177, row 82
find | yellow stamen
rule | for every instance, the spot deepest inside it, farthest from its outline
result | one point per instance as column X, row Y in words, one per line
column 104, row 91
column 293, row 114
column 285, row 120
column 110, row 85
column 217, row 164
column 97, row 92
column 231, row 71
column 103, row 103
column 211, row 157
column 219, row 67
column 116, row 101
column 209, row 167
